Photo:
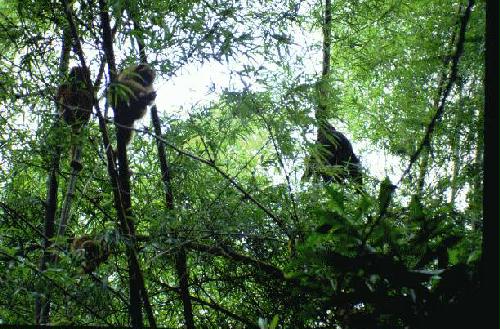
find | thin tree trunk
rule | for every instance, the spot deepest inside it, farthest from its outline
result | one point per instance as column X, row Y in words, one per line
column 42, row 304
column 456, row 168
column 183, row 277
column 164, row 168
column 422, row 170
column 321, row 112
column 322, row 109
column 70, row 191
column 133, row 268
column 143, row 290
column 476, row 202
column 180, row 258
column 135, row 310
column 122, row 192
column 456, row 145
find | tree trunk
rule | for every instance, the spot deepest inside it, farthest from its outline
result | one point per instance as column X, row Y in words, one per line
column 456, row 144
column 322, row 109
column 42, row 304
column 70, row 191
column 122, row 192
column 180, row 259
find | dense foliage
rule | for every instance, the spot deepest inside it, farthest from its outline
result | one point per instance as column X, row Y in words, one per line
column 226, row 232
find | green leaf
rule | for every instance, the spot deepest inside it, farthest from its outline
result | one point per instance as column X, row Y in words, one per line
column 337, row 199
column 385, row 194
column 274, row 322
column 416, row 209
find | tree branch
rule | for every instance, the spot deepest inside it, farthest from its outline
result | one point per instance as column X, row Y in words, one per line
column 451, row 80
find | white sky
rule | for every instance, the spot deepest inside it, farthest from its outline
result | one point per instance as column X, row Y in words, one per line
column 191, row 87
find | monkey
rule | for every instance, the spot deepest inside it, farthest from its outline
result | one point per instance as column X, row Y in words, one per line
column 336, row 150
column 90, row 252
column 75, row 104
column 133, row 94
column 74, row 100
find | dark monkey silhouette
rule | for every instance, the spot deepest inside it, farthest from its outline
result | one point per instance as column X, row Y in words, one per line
column 334, row 150
column 74, row 103
column 74, row 100
column 90, row 252
column 134, row 93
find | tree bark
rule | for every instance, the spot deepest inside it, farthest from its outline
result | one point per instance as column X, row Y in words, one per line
column 180, row 258
column 322, row 109
column 122, row 191
column 42, row 304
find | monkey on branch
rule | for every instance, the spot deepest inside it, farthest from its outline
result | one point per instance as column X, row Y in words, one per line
column 134, row 92
column 89, row 252
column 334, row 160
column 75, row 103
